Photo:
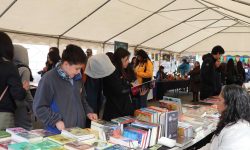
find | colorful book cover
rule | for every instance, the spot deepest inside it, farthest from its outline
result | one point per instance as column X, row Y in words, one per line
column 124, row 142
column 99, row 144
column 4, row 144
column 133, row 134
column 60, row 139
column 15, row 130
column 117, row 147
column 42, row 132
column 171, row 125
column 23, row 146
column 47, row 145
column 78, row 146
column 26, row 137
column 78, row 133
column 146, row 85
column 4, row 134
column 143, row 116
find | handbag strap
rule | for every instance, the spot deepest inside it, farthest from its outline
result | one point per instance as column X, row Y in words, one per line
column 3, row 93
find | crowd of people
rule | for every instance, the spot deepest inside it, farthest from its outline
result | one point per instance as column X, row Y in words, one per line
column 88, row 86
column 77, row 88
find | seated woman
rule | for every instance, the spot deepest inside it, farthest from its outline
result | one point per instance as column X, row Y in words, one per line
column 160, row 74
column 233, row 129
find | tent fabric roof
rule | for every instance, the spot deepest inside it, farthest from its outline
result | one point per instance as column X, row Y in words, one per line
column 170, row 25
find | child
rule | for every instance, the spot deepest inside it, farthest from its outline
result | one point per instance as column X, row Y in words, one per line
column 60, row 100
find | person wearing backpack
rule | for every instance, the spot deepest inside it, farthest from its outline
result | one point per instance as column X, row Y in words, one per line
column 24, row 108
column 11, row 87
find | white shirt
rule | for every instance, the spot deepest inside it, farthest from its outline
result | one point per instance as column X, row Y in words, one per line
column 235, row 137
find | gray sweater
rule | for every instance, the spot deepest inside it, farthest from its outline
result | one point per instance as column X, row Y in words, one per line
column 57, row 99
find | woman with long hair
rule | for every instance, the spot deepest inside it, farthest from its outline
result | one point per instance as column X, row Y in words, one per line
column 144, row 72
column 231, row 72
column 116, row 88
column 241, row 73
column 233, row 129
column 11, row 87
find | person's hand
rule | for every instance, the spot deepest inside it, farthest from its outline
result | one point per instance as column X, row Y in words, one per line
column 26, row 85
column 92, row 116
column 143, row 91
column 60, row 125
column 45, row 69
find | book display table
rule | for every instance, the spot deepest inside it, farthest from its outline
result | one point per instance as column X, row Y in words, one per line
column 163, row 86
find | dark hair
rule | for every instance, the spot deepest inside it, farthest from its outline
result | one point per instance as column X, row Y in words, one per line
column 74, row 55
column 6, row 46
column 237, row 106
column 54, row 49
column 134, row 58
column 230, row 65
column 111, row 56
column 217, row 49
column 118, row 55
column 144, row 56
column 54, row 57
column 184, row 61
column 161, row 67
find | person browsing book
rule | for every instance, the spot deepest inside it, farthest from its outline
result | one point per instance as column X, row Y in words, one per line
column 116, row 88
column 144, row 72
column 233, row 129
column 60, row 99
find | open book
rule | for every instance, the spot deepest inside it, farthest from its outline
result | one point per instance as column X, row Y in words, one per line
column 144, row 86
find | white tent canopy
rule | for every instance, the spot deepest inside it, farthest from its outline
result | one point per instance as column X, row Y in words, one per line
column 181, row 26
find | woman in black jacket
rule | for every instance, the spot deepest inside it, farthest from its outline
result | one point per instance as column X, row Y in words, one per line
column 116, row 88
column 231, row 72
column 241, row 73
column 11, row 88
column 195, row 81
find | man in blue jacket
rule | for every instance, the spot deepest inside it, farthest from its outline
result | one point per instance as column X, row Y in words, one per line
column 208, row 74
column 60, row 99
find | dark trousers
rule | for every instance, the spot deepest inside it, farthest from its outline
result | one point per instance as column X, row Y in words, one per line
column 195, row 96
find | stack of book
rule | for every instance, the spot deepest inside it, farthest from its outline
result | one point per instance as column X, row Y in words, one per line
column 78, row 146
column 15, row 130
column 124, row 141
column 4, row 144
column 123, row 121
column 60, row 139
column 4, row 136
column 44, row 145
column 78, row 133
column 106, row 129
column 26, row 137
column 43, row 133
column 19, row 134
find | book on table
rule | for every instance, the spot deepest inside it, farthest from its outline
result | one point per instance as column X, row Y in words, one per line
column 106, row 129
column 15, row 130
column 76, row 145
column 124, row 141
column 4, row 136
column 26, row 137
column 78, row 133
column 60, row 139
